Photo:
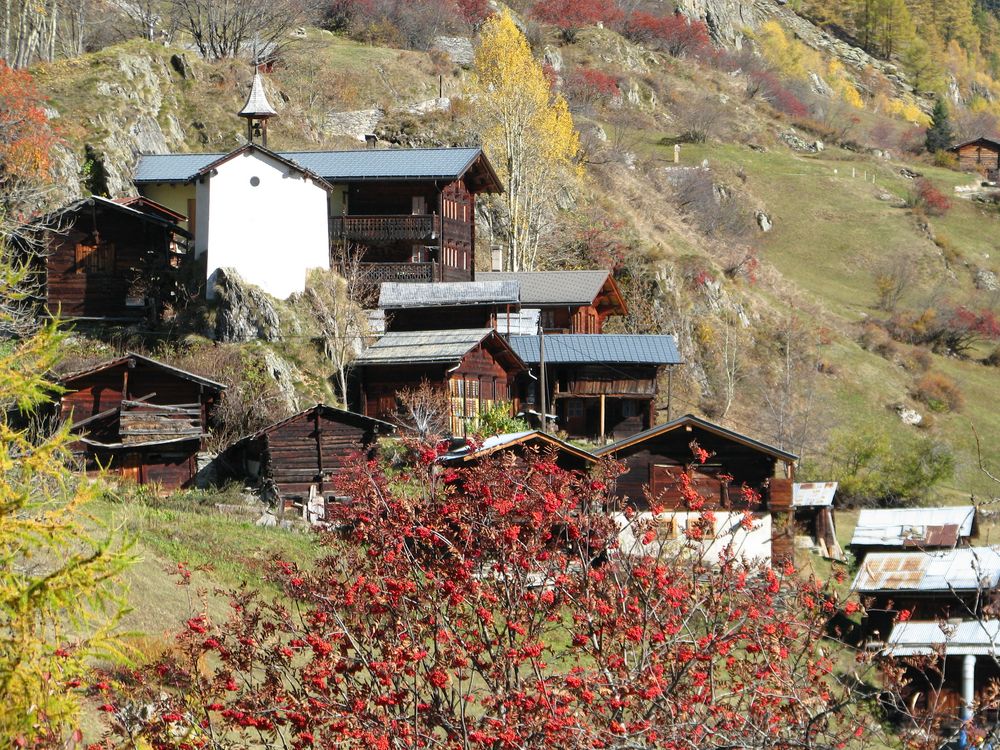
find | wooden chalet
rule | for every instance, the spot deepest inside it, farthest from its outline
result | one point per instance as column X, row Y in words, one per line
column 949, row 668
column 106, row 259
column 476, row 367
column 597, row 385
column 655, row 459
column 569, row 301
column 411, row 210
column 905, row 529
column 299, row 458
column 980, row 155
column 457, row 304
column 938, row 585
column 139, row 418
column 519, row 445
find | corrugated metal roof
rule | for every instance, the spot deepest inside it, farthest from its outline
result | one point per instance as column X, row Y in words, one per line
column 598, row 348
column 553, row 287
column 333, row 166
column 257, row 104
column 976, row 637
column 511, row 439
column 447, row 294
column 423, row 346
column 964, row 569
column 335, row 413
column 813, row 494
column 898, row 527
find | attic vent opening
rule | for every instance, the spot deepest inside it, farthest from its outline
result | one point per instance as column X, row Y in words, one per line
column 254, row 181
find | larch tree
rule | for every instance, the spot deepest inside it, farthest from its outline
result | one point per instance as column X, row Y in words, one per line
column 527, row 131
column 58, row 589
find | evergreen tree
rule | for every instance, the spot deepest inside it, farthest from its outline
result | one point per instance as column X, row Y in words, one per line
column 939, row 133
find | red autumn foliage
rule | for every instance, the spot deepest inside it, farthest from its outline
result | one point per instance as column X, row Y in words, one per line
column 569, row 16
column 674, row 33
column 488, row 607
column 473, row 12
column 585, row 87
column 26, row 140
column 770, row 87
column 932, row 200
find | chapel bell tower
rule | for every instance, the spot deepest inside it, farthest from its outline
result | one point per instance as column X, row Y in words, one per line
column 257, row 111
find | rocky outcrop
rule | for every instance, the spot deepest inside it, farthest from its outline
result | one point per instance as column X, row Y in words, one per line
column 243, row 312
column 726, row 19
column 458, row 49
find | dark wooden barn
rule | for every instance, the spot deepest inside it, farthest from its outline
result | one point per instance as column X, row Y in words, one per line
column 299, row 458
column 107, row 260
column 520, row 445
column 139, row 418
column 980, row 155
column 569, row 301
column 597, row 385
column 474, row 367
column 461, row 304
column 655, row 458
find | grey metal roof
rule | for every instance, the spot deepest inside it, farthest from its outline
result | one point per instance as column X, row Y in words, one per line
column 68, row 377
column 599, row 348
column 547, row 288
column 914, row 638
column 963, row 569
column 898, row 527
column 813, row 494
column 257, row 104
column 333, row 166
column 423, row 346
column 448, row 294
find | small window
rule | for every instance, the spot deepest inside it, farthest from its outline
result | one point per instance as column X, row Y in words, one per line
column 574, row 408
column 95, row 259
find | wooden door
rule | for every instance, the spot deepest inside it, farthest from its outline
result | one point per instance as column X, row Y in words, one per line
column 130, row 467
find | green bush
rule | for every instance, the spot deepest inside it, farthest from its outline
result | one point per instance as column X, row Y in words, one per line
column 497, row 420
column 875, row 469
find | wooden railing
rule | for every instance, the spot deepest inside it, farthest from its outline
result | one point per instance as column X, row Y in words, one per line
column 400, row 272
column 418, row 227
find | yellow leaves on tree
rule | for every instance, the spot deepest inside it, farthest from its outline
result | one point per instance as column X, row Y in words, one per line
column 527, row 131
column 57, row 606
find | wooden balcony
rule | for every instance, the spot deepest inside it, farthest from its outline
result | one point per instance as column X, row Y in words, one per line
column 400, row 272
column 378, row 229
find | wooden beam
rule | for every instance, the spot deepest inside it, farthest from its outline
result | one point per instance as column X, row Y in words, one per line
column 602, row 416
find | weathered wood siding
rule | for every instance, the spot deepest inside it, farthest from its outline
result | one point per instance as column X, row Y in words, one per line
column 106, row 389
column 442, row 318
column 311, row 450
column 575, row 319
column 979, row 157
column 130, row 244
column 671, row 451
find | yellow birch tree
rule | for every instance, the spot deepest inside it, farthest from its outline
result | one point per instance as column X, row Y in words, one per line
column 527, row 131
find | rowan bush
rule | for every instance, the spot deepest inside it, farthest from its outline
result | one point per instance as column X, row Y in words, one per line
column 490, row 607
column 771, row 88
column 939, row 392
column 569, row 16
column 929, row 198
column 586, row 87
column 673, row 33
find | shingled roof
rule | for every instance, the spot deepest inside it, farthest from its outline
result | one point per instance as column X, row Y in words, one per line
column 257, row 104
column 393, row 295
column 557, row 288
column 130, row 359
column 599, row 348
column 341, row 166
column 429, row 347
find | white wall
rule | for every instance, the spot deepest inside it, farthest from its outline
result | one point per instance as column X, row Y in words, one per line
column 271, row 233
column 752, row 544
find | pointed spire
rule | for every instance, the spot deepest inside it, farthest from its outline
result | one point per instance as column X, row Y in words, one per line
column 257, row 104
